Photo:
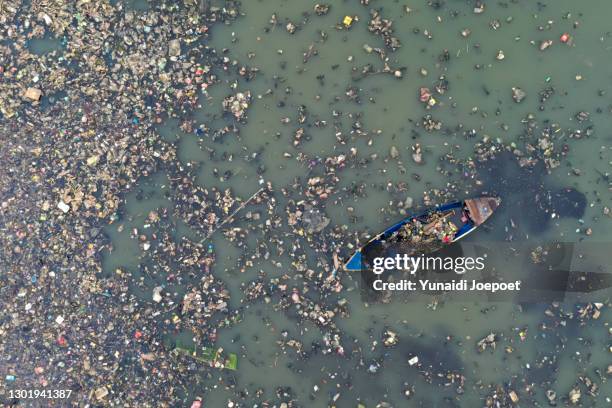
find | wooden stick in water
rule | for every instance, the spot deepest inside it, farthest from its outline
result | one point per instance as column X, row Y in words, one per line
column 228, row 218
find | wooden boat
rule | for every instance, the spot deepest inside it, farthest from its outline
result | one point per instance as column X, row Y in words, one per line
column 437, row 227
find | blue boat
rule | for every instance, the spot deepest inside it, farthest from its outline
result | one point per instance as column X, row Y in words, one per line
column 458, row 219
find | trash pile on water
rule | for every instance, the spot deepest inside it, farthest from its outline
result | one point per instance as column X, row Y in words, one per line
column 77, row 128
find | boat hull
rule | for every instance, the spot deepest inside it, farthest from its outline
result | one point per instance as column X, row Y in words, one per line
column 474, row 212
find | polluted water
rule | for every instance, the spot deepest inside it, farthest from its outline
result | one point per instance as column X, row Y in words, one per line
column 183, row 181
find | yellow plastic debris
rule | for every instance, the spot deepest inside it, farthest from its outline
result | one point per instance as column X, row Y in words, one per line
column 348, row 20
column 33, row 94
column 92, row 160
column 101, row 393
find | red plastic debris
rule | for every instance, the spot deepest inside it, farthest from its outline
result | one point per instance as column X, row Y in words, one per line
column 424, row 94
column 137, row 334
column 61, row 341
column 565, row 37
column 196, row 404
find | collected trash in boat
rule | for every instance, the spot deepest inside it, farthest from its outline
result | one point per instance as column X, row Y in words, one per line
column 434, row 228
column 214, row 357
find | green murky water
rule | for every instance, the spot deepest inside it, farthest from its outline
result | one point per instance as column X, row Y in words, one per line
column 480, row 99
column 44, row 45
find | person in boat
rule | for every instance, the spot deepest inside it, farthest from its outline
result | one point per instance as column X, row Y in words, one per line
column 465, row 214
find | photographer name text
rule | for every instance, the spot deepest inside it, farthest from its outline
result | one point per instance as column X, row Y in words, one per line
column 462, row 285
